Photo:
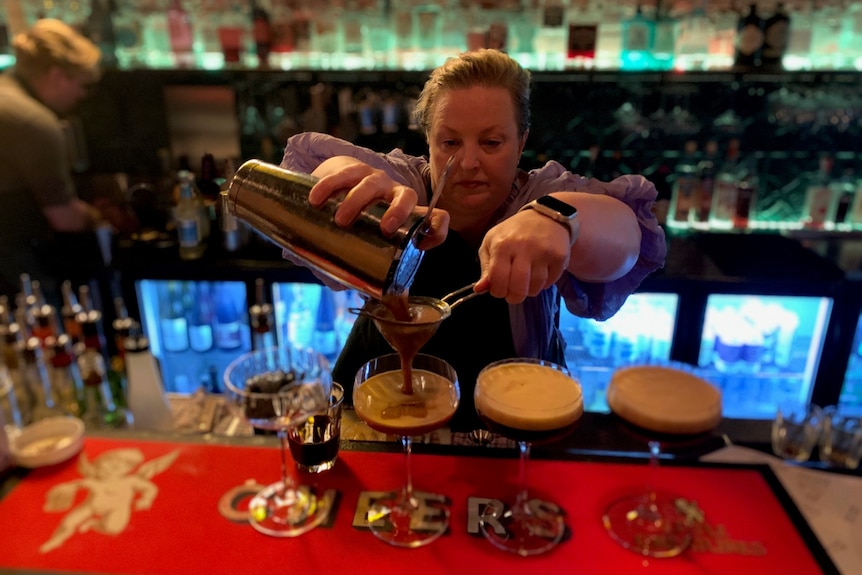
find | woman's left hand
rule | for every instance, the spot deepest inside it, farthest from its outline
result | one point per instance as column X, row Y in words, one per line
column 523, row 255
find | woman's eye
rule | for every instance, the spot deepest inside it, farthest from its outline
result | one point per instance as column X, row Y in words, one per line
column 492, row 143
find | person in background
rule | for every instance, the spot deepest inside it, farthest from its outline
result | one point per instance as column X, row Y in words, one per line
column 485, row 227
column 42, row 213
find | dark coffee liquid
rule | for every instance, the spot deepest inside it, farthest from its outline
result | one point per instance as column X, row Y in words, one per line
column 313, row 443
column 533, row 437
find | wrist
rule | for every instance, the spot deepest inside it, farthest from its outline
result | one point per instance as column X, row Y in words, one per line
column 558, row 211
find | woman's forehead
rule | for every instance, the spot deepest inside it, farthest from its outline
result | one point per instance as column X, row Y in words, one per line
column 477, row 104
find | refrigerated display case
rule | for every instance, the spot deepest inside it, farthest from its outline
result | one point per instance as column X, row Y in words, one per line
column 641, row 332
column 195, row 328
column 850, row 400
column 313, row 315
column 762, row 350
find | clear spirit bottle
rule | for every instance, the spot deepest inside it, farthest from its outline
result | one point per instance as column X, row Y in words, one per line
column 638, row 41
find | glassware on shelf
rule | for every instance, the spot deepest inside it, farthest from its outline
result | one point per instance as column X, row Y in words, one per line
column 273, row 390
column 406, row 517
column 528, row 414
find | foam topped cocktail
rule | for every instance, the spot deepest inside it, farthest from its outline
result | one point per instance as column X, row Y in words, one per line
column 382, row 404
column 529, row 401
column 380, row 400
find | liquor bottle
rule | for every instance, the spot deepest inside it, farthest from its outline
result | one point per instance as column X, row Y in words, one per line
column 664, row 42
column 128, row 33
column 749, row 40
column 610, row 40
column 550, row 38
column 10, row 333
column 99, row 28
column 201, row 321
column 207, row 182
column 261, row 28
column 747, row 187
column 348, row 30
column 724, row 197
column 692, row 45
column 228, row 330
column 638, row 41
column 325, row 338
column 146, row 393
column 583, row 34
column 121, row 325
column 65, row 376
column 44, row 315
column 233, row 232
column 850, row 41
column 173, row 322
column 706, row 171
column 71, row 308
column 684, row 189
column 261, row 318
column 826, row 23
column 819, row 196
column 99, row 411
column 90, row 321
column 188, row 218
column 36, row 380
column 776, row 34
column 798, row 53
column 854, row 218
column 180, row 34
column 845, row 194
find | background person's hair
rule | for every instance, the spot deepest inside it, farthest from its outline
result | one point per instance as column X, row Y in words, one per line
column 489, row 68
column 51, row 43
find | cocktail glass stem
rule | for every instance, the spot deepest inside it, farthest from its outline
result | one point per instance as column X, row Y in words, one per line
column 649, row 511
column 407, row 491
column 649, row 523
column 522, row 497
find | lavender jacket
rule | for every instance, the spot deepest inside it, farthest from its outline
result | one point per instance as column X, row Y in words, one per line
column 532, row 322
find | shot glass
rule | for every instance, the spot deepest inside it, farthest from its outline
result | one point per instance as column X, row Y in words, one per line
column 841, row 442
column 314, row 444
column 796, row 430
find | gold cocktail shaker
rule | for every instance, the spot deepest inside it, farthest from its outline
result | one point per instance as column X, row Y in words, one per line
column 274, row 201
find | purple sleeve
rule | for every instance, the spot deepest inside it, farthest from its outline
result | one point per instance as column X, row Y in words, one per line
column 602, row 300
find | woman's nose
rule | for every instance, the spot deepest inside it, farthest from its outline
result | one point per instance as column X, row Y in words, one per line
column 469, row 156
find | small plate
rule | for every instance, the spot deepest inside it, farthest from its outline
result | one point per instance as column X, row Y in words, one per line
column 48, row 442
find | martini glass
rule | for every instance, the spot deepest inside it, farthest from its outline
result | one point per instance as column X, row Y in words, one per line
column 529, row 401
column 656, row 522
column 275, row 389
column 407, row 518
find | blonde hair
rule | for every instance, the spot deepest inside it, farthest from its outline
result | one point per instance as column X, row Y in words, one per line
column 50, row 43
column 488, row 68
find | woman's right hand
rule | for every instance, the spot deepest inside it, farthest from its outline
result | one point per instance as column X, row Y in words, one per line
column 365, row 186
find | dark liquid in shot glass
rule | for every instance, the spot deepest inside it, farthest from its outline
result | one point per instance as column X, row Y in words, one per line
column 314, row 443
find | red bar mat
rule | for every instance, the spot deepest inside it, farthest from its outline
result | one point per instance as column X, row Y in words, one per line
column 747, row 527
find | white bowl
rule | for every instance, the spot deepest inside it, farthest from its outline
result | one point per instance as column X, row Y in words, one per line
column 48, row 441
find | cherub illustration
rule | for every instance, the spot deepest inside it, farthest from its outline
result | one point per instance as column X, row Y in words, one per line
column 113, row 490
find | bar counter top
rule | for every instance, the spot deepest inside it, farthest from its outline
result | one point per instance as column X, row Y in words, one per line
column 751, row 522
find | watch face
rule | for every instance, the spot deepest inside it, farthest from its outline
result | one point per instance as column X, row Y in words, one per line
column 565, row 209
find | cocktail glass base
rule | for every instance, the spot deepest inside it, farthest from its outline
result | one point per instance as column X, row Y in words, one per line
column 282, row 511
column 651, row 524
column 409, row 523
column 528, row 528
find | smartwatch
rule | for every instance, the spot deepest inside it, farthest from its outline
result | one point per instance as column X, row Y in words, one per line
column 557, row 210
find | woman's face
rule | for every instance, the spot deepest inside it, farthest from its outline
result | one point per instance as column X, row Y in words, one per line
column 478, row 125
